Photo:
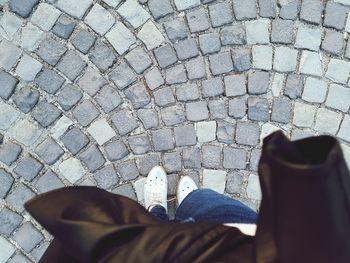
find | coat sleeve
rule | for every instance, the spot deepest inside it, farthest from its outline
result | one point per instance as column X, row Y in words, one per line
column 93, row 225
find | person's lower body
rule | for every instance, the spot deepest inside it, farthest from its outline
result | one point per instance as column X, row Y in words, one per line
column 195, row 205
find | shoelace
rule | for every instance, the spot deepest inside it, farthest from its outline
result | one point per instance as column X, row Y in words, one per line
column 156, row 198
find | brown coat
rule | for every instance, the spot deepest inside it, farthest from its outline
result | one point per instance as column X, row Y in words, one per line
column 304, row 217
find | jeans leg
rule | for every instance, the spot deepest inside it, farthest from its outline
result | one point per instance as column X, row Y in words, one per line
column 160, row 213
column 205, row 205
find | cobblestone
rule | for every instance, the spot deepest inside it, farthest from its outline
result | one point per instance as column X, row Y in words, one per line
column 304, row 114
column 281, row 110
column 206, row 131
column 83, row 40
column 9, row 153
column 220, row 14
column 9, row 54
column 139, row 144
column 258, row 31
column 172, row 162
column 285, row 59
column 282, row 31
column 75, row 140
column 338, row 70
column 116, row 150
column 211, row 156
column 46, row 113
column 27, row 236
column 294, row 86
column 338, row 98
column 124, row 121
column 247, row 133
column 120, row 38
column 8, row 84
column 64, row 27
column 234, row 158
column 133, row 13
column 333, row 43
column 9, row 221
column 7, row 181
column 92, row 158
column 150, row 35
column 311, row 11
column 19, row 195
column 173, row 115
column 101, row 131
column 262, row 57
column 147, row 162
column 7, row 249
column 154, row 75
column 310, row 63
column 102, row 56
column 197, row 20
column 197, row 111
column 221, row 63
column 22, row 8
column 308, row 37
column 315, row 90
column 69, row 96
column 185, row 135
column 233, row 35
column 45, row 16
column 217, row 109
column 48, row 181
column 49, row 151
column 148, row 117
column 99, row 19
column 9, row 25
column 164, row 96
column 86, row 112
column 212, row 87
column 258, row 109
column 335, row 15
column 128, row 170
column 71, row 65
column 162, row 139
column 215, row 180
column 234, row 184
column 186, row 49
column 28, row 68
column 258, row 82
column 241, row 59
column 176, row 74
column 108, row 99
column 106, row 177
column 176, row 29
column 344, row 128
column 327, row 121
column 244, row 9
column 191, row 158
column 26, row 132
column 138, row 95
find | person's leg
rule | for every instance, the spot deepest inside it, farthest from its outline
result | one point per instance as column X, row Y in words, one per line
column 155, row 193
column 159, row 212
column 205, row 205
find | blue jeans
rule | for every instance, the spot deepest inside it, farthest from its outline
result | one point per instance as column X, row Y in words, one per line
column 205, row 205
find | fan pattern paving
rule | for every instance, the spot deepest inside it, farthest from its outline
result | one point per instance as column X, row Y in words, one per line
column 97, row 92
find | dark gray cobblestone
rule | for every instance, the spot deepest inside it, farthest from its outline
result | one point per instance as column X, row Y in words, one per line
column 193, row 85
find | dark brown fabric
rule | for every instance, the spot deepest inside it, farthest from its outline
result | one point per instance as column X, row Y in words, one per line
column 304, row 217
column 93, row 225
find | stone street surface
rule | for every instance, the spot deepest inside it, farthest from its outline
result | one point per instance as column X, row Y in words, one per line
column 97, row 92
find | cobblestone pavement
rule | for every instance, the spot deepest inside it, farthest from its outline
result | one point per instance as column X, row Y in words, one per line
column 98, row 92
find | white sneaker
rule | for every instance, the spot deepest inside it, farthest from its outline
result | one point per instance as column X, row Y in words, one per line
column 156, row 188
column 186, row 185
